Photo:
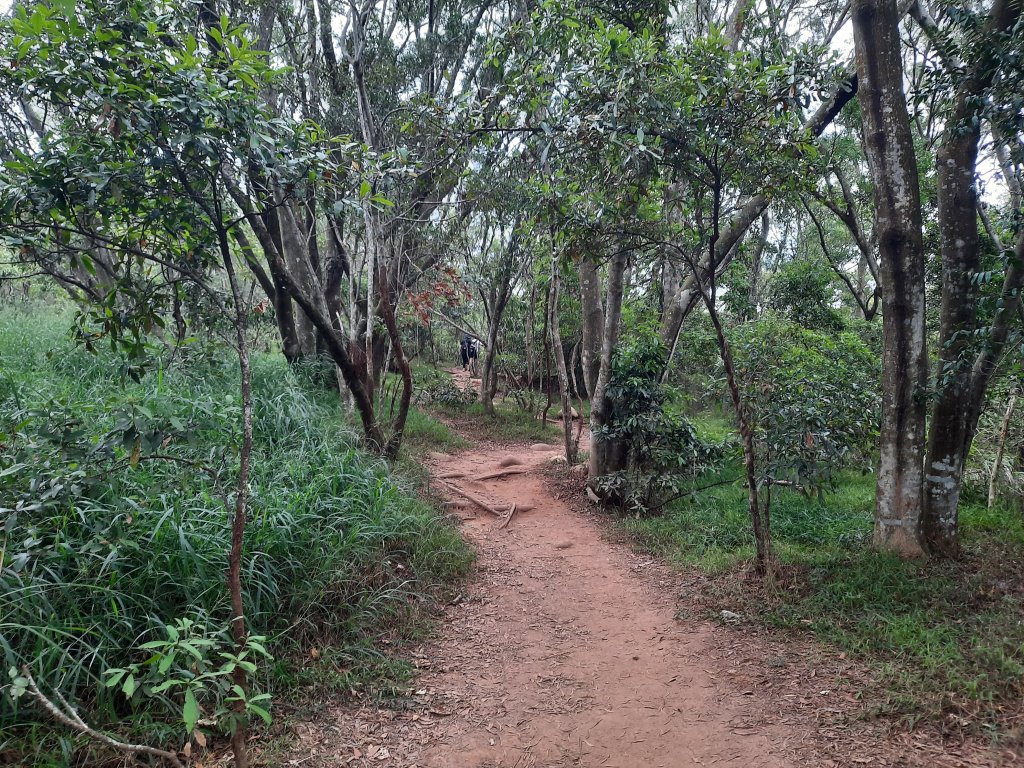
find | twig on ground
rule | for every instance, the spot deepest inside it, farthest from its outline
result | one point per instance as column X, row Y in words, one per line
column 475, row 499
column 503, row 472
column 69, row 717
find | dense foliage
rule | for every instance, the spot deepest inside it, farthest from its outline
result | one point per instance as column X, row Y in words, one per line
column 779, row 270
column 661, row 447
column 116, row 522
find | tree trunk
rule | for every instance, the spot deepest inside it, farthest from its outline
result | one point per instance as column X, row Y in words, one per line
column 559, row 352
column 315, row 308
column 234, row 574
column 593, row 323
column 605, row 457
column 297, row 258
column 997, row 464
column 889, row 147
column 495, row 301
column 488, row 372
column 387, row 314
column 757, row 267
column 759, row 523
column 955, row 413
column 531, row 364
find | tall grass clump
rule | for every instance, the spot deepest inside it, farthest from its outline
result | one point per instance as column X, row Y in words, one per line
column 114, row 522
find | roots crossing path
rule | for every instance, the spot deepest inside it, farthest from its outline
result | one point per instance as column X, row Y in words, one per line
column 565, row 649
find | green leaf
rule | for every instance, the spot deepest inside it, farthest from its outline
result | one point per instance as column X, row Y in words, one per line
column 261, row 712
column 190, row 711
column 66, row 7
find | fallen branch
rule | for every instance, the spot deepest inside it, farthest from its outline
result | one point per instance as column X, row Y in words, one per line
column 509, row 518
column 475, row 499
column 69, row 717
column 502, row 473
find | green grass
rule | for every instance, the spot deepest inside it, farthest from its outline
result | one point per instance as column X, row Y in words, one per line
column 423, row 431
column 508, row 424
column 342, row 556
column 942, row 637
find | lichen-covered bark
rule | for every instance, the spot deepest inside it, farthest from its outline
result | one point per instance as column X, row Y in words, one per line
column 889, row 147
column 960, row 386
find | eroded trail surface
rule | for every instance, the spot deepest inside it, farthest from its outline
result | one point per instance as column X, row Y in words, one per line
column 563, row 653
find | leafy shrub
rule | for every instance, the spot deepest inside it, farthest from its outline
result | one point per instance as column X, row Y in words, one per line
column 802, row 292
column 812, row 398
column 661, row 447
column 438, row 388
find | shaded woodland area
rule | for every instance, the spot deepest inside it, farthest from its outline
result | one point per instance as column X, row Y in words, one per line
column 770, row 254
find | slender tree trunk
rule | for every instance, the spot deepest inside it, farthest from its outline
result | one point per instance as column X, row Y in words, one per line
column 759, row 521
column 297, row 258
column 234, row 574
column 387, row 313
column 889, row 147
column 284, row 314
column 997, row 464
column 314, row 307
column 593, row 323
column 559, row 352
column 602, row 454
column 531, row 364
column 757, row 267
column 488, row 373
column 369, row 350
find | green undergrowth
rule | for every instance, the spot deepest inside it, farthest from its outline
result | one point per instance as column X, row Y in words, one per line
column 946, row 639
column 438, row 398
column 425, row 432
column 115, row 497
column 508, row 423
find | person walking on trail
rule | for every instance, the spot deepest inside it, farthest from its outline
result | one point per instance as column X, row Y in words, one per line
column 464, row 346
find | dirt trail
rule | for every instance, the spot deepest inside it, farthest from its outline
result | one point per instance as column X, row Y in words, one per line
column 563, row 655
column 565, row 651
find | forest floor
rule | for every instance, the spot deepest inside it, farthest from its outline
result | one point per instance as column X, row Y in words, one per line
column 569, row 649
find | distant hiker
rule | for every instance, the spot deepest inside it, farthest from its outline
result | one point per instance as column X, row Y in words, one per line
column 464, row 346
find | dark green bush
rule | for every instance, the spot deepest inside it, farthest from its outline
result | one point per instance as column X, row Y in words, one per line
column 659, row 448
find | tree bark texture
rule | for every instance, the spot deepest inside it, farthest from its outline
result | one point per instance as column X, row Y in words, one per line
column 889, row 147
column 960, row 386
column 593, row 322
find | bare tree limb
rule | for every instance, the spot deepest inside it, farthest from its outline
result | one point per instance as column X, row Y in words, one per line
column 66, row 715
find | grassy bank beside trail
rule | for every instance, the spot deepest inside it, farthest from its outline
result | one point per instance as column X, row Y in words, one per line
column 437, row 396
column 114, row 522
column 946, row 638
